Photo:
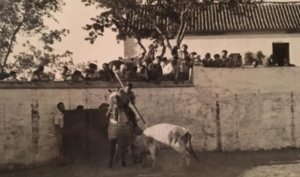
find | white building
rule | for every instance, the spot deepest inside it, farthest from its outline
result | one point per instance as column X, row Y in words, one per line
column 273, row 28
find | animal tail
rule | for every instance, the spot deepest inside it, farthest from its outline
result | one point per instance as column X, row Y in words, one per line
column 190, row 149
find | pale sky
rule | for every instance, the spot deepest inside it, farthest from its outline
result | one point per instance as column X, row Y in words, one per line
column 75, row 15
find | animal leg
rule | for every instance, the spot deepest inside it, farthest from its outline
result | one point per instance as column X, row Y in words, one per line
column 123, row 160
column 112, row 153
column 145, row 160
column 117, row 153
column 153, row 152
column 187, row 158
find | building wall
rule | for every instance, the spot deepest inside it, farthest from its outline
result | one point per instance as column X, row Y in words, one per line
column 226, row 109
column 235, row 43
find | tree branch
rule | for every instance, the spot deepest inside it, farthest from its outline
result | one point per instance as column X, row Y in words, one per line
column 11, row 44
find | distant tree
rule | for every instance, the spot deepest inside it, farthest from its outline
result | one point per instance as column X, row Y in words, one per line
column 150, row 18
column 26, row 18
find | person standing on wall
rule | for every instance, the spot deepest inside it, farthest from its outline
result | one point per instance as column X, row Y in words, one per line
column 127, row 96
column 59, row 125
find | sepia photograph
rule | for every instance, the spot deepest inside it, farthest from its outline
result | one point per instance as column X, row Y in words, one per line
column 149, row 88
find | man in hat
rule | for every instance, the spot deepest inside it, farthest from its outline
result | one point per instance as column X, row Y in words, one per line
column 127, row 96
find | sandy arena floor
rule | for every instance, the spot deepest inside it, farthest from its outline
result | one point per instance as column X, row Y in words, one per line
column 283, row 163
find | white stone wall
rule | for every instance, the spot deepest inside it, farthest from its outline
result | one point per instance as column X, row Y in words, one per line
column 235, row 43
column 228, row 109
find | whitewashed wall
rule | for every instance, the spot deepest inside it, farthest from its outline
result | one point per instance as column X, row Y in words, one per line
column 237, row 43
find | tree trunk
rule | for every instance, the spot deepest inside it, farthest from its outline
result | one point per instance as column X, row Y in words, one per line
column 180, row 30
column 11, row 45
column 163, row 51
column 168, row 43
column 142, row 46
column 182, row 33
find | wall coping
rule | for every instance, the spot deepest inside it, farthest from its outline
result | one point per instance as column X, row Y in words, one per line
column 93, row 84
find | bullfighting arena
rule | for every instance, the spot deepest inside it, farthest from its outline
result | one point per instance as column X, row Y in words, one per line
column 283, row 163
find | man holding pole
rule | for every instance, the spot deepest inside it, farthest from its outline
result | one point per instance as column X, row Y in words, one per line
column 127, row 96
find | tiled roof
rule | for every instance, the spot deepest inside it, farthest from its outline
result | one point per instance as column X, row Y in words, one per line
column 217, row 18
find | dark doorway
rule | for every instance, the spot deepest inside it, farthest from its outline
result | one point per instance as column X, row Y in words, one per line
column 85, row 133
column 280, row 52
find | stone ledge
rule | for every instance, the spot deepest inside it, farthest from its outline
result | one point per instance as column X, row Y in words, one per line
column 94, row 84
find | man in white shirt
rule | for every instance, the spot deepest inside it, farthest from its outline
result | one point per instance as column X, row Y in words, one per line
column 59, row 124
column 167, row 68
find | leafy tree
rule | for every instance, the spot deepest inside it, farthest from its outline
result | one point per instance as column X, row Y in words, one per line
column 26, row 18
column 150, row 19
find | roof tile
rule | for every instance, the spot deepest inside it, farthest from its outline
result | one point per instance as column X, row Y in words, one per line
column 259, row 17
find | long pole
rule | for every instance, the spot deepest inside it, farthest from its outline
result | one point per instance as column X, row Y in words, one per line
column 133, row 104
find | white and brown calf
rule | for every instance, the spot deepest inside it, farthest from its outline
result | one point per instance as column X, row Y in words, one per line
column 163, row 136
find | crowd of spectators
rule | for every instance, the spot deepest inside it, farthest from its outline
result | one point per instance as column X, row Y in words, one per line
column 178, row 68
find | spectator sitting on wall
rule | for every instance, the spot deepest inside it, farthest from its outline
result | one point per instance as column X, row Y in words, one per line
column 91, row 72
column 168, row 69
column 80, row 107
column 76, row 77
column 122, row 72
column 142, row 72
column 59, row 125
column 239, row 61
column 271, row 61
column 287, row 63
column 105, row 74
column 12, row 76
column 39, row 75
column 255, row 63
column 230, row 62
column 217, row 62
column 155, row 70
column 131, row 74
column 192, row 58
column 63, row 75
column 207, row 61
column 197, row 60
column 224, row 57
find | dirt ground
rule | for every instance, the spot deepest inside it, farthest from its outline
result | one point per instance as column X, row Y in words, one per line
column 282, row 163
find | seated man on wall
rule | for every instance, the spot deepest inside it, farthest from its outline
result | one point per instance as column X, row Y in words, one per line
column 122, row 72
column 91, row 73
column 217, row 62
column 39, row 75
column 142, row 71
column 12, row 76
column 271, row 61
column 105, row 73
column 62, row 76
column 131, row 74
column 207, row 61
column 224, row 57
column 287, row 63
column 167, row 69
column 197, row 60
column 155, row 70
column 76, row 77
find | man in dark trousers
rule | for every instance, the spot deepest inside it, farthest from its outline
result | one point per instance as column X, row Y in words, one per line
column 127, row 96
column 59, row 125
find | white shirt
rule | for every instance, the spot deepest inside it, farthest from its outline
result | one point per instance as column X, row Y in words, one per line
column 59, row 119
column 168, row 69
